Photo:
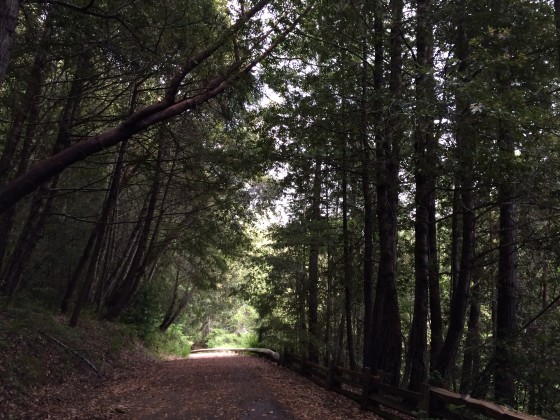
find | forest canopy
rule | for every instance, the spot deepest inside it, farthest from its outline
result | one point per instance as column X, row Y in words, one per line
column 412, row 148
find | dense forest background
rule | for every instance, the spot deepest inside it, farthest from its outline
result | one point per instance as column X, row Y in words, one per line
column 378, row 179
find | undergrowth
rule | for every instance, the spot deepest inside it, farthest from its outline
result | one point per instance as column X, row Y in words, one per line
column 38, row 348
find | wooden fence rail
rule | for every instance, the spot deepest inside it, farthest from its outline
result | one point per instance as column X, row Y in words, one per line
column 368, row 389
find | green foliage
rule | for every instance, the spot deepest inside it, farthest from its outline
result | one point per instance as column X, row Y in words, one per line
column 145, row 312
column 235, row 328
column 173, row 342
column 220, row 337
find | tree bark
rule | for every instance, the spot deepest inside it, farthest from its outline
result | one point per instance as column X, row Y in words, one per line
column 436, row 321
column 448, row 355
column 506, row 304
column 175, row 308
column 368, row 211
column 97, row 235
column 557, row 24
column 43, row 199
column 386, row 338
column 26, row 109
column 9, row 11
column 98, row 239
column 423, row 143
column 455, row 252
column 471, row 355
column 381, row 169
column 124, row 292
column 347, row 261
column 313, row 266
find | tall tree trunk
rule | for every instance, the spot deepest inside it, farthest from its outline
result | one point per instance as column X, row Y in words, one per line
column 455, row 251
column 436, row 321
column 9, row 10
column 465, row 148
column 152, row 252
column 26, row 109
column 43, row 199
column 448, row 355
column 302, row 343
column 73, row 281
column 557, row 23
column 387, row 341
column 97, row 236
column 313, row 266
column 109, row 260
column 347, row 261
column 471, row 356
column 176, row 307
column 329, row 306
column 423, row 143
column 506, row 302
column 368, row 211
column 29, row 100
column 122, row 267
column 124, row 292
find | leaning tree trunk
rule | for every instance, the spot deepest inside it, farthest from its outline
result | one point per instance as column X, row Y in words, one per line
column 96, row 242
column 96, row 237
column 124, row 292
column 176, row 306
column 124, row 262
column 168, row 107
column 44, row 197
column 153, row 251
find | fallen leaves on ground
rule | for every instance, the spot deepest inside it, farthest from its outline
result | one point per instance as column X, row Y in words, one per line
column 222, row 386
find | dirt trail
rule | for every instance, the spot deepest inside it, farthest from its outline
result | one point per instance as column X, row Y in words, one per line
column 205, row 386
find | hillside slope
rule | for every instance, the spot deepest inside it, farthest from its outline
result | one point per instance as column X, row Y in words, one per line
column 44, row 363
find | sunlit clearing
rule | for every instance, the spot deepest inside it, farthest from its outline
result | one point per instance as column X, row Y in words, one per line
column 212, row 355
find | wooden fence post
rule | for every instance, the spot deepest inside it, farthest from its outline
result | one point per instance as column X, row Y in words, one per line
column 366, row 387
column 303, row 366
column 424, row 402
column 331, row 374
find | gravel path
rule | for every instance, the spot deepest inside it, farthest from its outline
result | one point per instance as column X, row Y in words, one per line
column 207, row 386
